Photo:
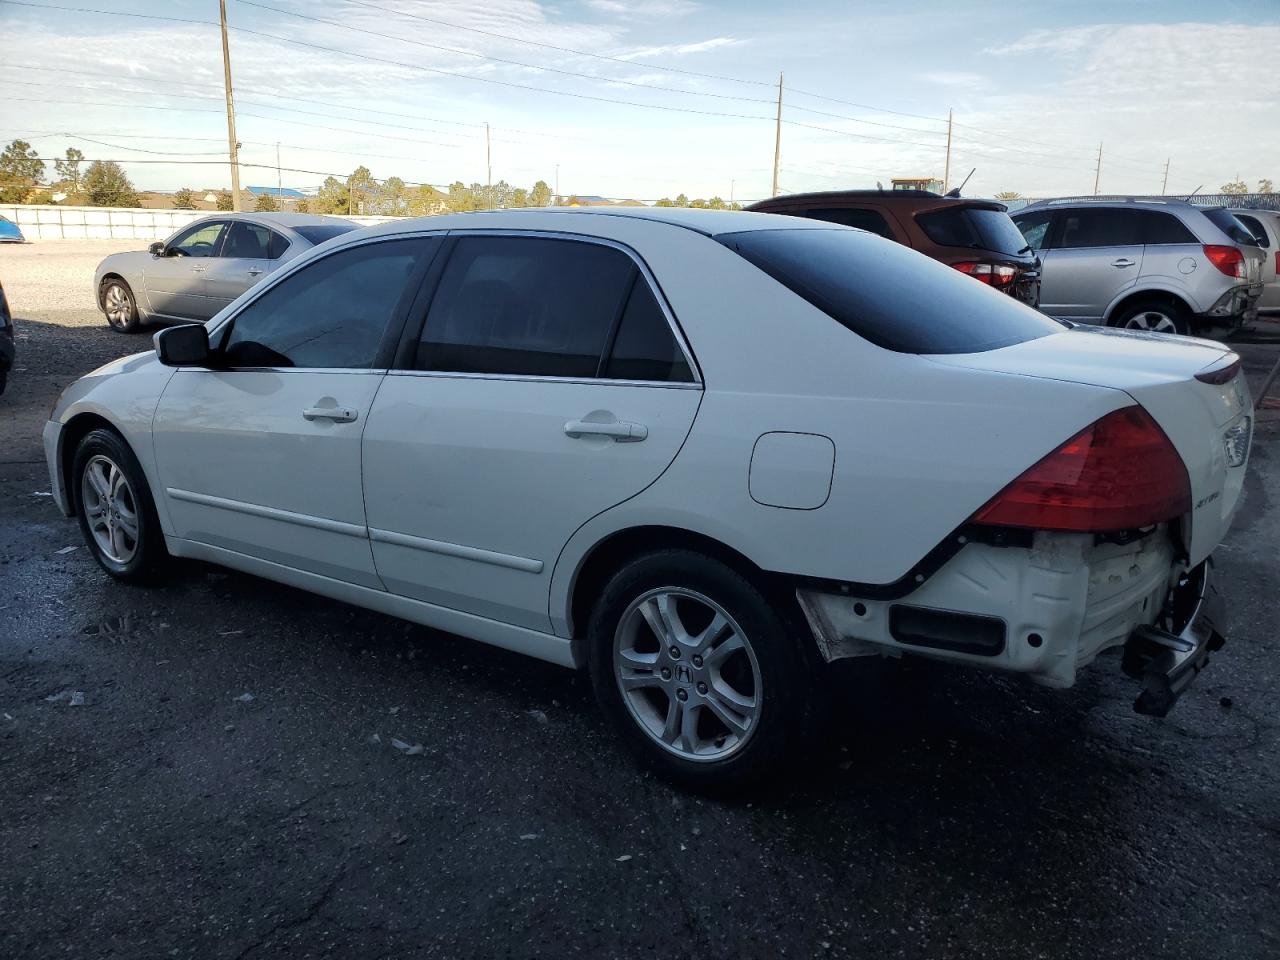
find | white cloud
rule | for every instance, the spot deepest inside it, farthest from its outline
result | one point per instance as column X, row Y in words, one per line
column 679, row 49
column 646, row 9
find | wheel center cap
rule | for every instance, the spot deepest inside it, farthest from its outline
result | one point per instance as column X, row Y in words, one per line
column 683, row 673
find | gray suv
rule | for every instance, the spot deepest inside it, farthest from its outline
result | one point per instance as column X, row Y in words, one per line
column 1161, row 265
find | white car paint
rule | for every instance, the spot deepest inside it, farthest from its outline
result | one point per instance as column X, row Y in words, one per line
column 468, row 503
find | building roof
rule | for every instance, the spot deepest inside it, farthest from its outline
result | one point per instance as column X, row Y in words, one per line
column 287, row 192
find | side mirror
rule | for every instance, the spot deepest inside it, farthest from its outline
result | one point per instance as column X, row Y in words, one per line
column 157, row 248
column 184, row 346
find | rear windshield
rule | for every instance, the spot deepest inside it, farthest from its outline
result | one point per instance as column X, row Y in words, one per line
column 1225, row 221
column 975, row 227
column 1255, row 227
column 888, row 294
column 319, row 233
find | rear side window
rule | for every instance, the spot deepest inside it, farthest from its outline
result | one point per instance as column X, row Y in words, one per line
column 334, row 312
column 316, row 234
column 525, row 305
column 246, row 241
column 888, row 294
column 871, row 220
column 1102, row 227
column 976, row 227
column 645, row 348
column 1159, row 228
column 1256, row 228
column 1034, row 226
column 1225, row 221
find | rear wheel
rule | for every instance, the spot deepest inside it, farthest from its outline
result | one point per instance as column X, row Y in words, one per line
column 119, row 306
column 117, row 515
column 1153, row 316
column 698, row 672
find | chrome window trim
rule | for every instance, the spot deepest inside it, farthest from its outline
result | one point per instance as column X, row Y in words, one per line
column 672, row 323
column 542, row 378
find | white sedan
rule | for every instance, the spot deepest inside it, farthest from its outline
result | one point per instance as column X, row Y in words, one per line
column 700, row 454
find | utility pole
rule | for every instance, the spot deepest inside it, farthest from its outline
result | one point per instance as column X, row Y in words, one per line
column 279, row 182
column 1165, row 182
column 732, row 183
column 777, row 138
column 231, row 110
column 946, row 170
column 557, row 203
column 488, row 162
column 1097, row 171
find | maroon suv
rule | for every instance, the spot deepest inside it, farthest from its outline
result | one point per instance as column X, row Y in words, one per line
column 974, row 236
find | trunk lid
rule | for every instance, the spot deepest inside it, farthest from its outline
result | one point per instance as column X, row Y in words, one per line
column 1204, row 421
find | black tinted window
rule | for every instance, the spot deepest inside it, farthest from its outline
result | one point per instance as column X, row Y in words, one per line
column 1033, row 227
column 200, row 241
column 977, row 227
column 1255, row 227
column 331, row 313
column 247, row 241
column 892, row 296
column 318, row 233
column 645, row 348
column 870, row 220
column 525, row 305
column 278, row 245
column 1225, row 221
column 1165, row 228
column 1100, row 228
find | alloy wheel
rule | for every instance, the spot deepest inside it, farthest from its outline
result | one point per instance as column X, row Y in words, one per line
column 687, row 673
column 110, row 509
column 116, row 306
column 1153, row 321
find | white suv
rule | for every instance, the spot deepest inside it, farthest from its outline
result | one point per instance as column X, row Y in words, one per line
column 1159, row 265
column 701, row 454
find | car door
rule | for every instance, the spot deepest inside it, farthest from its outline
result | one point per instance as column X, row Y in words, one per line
column 175, row 281
column 1095, row 254
column 245, row 257
column 261, row 456
column 549, row 383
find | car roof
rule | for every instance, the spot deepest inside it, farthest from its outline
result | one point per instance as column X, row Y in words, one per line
column 914, row 199
column 708, row 222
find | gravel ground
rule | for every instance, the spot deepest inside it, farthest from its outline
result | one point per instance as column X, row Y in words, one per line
column 945, row 814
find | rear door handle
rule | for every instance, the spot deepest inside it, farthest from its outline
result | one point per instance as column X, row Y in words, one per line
column 336, row 414
column 199, row 269
column 1122, row 262
column 620, row 430
column 254, row 271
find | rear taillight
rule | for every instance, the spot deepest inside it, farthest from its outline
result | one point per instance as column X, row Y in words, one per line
column 1228, row 260
column 1278, row 261
column 1121, row 473
column 1221, row 375
column 993, row 274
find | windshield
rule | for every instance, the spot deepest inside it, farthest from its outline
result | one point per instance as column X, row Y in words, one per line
column 1225, row 221
column 319, row 233
column 891, row 295
column 978, row 227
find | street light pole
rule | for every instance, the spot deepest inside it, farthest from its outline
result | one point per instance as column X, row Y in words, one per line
column 231, row 110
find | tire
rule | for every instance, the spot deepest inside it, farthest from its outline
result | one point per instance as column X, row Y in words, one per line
column 117, row 515
column 765, row 686
column 119, row 306
column 4, row 380
column 1153, row 316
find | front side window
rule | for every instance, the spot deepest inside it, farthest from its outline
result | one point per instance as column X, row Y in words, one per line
column 334, row 312
column 200, row 241
column 1100, row 228
column 888, row 294
column 870, row 220
column 1034, row 227
column 536, row 306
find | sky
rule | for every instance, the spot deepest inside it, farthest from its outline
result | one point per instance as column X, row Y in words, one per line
column 631, row 99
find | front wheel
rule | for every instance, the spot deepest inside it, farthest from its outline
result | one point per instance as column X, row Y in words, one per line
column 1153, row 316
column 698, row 672
column 119, row 306
column 117, row 515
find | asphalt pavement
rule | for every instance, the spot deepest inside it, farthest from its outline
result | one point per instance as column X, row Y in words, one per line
column 210, row 769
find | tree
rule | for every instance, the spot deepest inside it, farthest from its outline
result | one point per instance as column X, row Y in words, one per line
column 1264, row 186
column 540, row 195
column 520, row 197
column 302, row 206
column 681, row 200
column 224, row 200
column 1008, row 195
column 266, row 203
column 105, row 185
column 391, row 199
column 69, row 170
column 184, row 199
column 333, row 197
column 361, row 189
column 21, row 171
column 461, row 199
column 1235, row 187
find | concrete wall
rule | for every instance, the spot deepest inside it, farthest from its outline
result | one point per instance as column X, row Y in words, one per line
column 125, row 223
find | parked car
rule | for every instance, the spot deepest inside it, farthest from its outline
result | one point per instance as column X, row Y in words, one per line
column 9, row 232
column 7, row 346
column 973, row 236
column 699, row 454
column 204, row 266
column 1156, row 265
column 1265, row 226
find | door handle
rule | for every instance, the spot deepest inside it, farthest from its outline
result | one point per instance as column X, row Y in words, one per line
column 336, row 414
column 620, row 430
column 1122, row 262
column 199, row 269
column 254, row 271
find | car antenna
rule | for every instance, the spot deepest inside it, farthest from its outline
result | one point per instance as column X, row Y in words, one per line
column 954, row 193
column 1195, row 191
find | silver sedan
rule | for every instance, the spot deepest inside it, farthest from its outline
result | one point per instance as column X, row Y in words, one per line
column 204, row 266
